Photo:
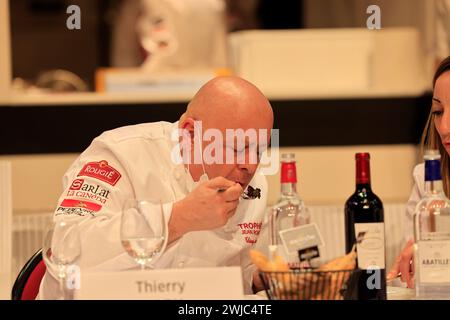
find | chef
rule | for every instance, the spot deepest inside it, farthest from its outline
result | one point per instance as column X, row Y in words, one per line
column 213, row 195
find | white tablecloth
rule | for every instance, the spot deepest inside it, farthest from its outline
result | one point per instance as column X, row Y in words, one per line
column 393, row 293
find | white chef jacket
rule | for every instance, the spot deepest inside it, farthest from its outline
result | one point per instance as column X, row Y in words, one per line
column 136, row 162
column 416, row 194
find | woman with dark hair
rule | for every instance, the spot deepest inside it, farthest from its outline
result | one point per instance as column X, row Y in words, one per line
column 436, row 135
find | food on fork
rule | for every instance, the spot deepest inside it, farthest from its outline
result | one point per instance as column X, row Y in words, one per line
column 251, row 193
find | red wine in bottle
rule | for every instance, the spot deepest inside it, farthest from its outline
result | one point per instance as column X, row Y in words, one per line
column 364, row 228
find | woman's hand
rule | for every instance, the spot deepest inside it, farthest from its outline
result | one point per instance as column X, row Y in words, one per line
column 404, row 265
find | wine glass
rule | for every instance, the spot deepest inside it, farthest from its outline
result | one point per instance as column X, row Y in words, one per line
column 143, row 230
column 61, row 249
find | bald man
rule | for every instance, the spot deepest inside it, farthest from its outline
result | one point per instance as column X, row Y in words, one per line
column 204, row 171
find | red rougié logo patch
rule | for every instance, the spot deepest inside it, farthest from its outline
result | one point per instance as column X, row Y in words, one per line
column 102, row 171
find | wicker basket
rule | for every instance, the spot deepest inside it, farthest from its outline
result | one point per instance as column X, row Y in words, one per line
column 306, row 284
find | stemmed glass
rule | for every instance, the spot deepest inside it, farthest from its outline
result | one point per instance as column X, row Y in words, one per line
column 61, row 249
column 143, row 230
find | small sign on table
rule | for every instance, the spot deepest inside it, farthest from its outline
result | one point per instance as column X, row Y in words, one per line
column 185, row 284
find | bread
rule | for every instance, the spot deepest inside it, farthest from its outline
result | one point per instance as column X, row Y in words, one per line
column 323, row 283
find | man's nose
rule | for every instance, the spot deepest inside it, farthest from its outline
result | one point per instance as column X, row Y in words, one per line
column 250, row 163
column 248, row 167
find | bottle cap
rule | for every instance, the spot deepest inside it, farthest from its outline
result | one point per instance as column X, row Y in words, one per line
column 432, row 165
column 362, row 168
column 362, row 156
column 288, row 157
column 288, row 168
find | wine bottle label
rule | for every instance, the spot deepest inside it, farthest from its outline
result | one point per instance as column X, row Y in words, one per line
column 370, row 245
column 434, row 261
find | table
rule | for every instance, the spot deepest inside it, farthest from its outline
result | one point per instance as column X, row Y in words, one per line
column 393, row 293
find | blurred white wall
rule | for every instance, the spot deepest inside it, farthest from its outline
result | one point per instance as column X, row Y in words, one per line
column 394, row 13
column 37, row 181
column 331, row 62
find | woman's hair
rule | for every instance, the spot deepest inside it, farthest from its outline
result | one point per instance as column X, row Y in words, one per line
column 430, row 136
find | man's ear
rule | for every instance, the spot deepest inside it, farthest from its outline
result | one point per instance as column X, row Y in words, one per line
column 187, row 126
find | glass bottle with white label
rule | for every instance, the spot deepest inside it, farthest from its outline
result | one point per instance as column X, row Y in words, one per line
column 432, row 235
column 288, row 212
column 364, row 229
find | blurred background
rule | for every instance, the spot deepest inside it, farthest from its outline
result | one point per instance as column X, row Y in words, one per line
column 112, row 30
column 337, row 87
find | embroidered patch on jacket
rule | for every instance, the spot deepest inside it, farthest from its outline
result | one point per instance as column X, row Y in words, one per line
column 87, row 190
column 73, row 203
column 250, row 230
column 73, row 211
column 77, row 207
column 102, row 171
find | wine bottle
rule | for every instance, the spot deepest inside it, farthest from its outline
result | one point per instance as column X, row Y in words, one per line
column 364, row 228
column 288, row 212
column 432, row 235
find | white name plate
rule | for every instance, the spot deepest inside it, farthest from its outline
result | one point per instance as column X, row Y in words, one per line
column 185, row 284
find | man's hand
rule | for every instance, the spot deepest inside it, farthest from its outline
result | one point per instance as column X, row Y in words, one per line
column 207, row 207
column 404, row 265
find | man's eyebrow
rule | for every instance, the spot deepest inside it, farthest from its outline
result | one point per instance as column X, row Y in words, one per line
column 437, row 100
